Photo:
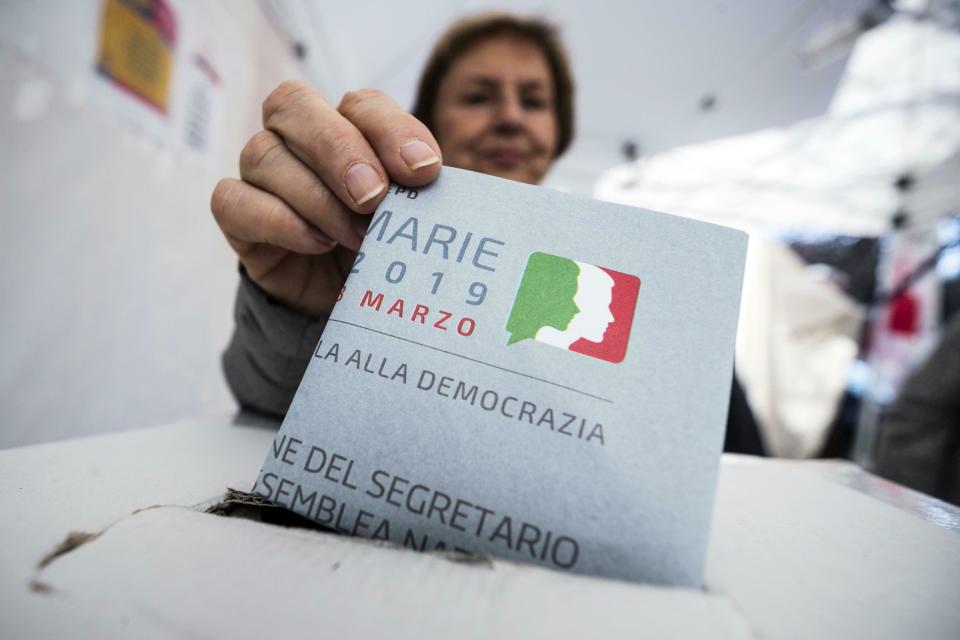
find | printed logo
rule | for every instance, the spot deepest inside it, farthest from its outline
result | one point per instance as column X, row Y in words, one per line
column 575, row 306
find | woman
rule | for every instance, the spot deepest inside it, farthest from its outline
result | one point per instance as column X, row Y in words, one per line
column 496, row 96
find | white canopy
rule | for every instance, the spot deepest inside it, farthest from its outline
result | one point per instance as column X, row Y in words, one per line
column 896, row 111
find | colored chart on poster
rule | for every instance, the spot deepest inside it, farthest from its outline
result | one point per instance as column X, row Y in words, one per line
column 136, row 50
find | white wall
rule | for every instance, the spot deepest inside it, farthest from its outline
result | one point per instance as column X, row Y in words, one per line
column 116, row 288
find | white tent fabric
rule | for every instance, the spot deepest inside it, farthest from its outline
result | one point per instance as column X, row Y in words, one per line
column 896, row 112
column 796, row 338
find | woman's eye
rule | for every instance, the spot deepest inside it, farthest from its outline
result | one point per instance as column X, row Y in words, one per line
column 534, row 103
column 474, row 98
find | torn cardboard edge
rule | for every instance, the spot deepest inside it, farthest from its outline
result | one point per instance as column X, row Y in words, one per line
column 243, row 504
column 236, row 503
column 72, row 541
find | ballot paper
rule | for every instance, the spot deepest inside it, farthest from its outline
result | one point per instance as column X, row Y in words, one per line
column 515, row 371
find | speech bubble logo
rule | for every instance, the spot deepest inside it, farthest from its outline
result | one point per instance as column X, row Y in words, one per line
column 545, row 297
column 574, row 306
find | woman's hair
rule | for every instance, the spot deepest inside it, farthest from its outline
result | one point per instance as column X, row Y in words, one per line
column 467, row 32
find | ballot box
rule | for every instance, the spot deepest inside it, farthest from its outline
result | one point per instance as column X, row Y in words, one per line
column 110, row 536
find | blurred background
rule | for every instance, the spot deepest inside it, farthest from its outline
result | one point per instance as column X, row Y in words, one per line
column 829, row 130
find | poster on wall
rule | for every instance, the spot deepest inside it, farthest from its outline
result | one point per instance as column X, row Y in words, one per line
column 137, row 47
column 157, row 69
column 199, row 101
column 136, row 64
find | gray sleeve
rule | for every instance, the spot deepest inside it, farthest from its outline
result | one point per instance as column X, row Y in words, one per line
column 269, row 351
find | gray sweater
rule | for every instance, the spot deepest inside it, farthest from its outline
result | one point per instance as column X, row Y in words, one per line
column 269, row 351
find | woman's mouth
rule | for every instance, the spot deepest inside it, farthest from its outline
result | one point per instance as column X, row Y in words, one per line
column 504, row 157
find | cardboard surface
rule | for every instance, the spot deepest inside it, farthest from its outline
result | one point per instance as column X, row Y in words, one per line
column 85, row 484
column 795, row 552
column 789, row 540
column 515, row 371
column 234, row 578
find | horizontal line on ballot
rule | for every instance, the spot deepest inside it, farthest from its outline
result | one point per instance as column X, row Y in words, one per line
column 488, row 364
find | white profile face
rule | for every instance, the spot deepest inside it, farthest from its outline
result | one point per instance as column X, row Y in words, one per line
column 593, row 297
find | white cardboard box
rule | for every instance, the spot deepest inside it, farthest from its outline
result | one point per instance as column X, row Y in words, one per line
column 797, row 550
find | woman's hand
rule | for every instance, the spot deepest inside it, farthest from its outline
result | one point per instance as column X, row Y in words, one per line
column 309, row 182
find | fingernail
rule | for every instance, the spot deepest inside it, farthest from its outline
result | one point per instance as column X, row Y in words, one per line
column 321, row 237
column 418, row 154
column 363, row 182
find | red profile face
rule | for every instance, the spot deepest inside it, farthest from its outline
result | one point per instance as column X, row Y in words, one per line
column 495, row 110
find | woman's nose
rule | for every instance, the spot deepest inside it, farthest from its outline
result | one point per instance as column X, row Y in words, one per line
column 511, row 110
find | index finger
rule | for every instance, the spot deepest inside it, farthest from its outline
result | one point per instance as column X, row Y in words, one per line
column 404, row 145
column 329, row 144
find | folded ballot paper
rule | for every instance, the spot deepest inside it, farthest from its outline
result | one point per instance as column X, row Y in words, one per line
column 514, row 371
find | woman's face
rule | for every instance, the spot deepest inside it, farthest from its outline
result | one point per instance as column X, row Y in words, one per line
column 495, row 110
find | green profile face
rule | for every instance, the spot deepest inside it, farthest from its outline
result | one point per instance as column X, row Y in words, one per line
column 545, row 297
